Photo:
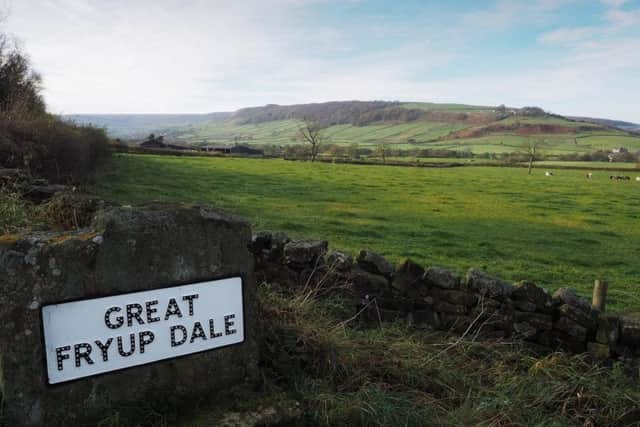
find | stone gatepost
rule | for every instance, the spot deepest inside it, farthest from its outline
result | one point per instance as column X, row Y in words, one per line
column 129, row 250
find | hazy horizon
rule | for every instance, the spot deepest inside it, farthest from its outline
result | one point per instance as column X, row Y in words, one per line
column 570, row 57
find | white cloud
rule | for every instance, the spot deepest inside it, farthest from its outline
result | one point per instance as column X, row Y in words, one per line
column 199, row 55
column 567, row 36
column 613, row 3
column 622, row 19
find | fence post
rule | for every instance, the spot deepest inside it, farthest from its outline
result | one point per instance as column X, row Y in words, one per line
column 600, row 294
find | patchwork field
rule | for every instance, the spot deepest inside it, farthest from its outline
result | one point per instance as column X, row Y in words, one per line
column 558, row 231
column 419, row 135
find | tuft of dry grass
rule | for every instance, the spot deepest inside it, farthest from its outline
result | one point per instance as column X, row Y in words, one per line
column 15, row 212
column 393, row 374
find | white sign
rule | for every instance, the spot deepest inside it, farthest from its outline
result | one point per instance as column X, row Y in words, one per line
column 89, row 337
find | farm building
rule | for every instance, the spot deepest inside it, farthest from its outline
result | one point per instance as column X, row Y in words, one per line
column 154, row 143
column 241, row 150
column 620, row 154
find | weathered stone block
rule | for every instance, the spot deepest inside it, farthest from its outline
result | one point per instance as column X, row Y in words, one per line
column 527, row 293
column 455, row 297
column 524, row 305
column 488, row 286
column 300, row 254
column 275, row 253
column 445, row 307
column 630, row 329
column 340, row 261
column 488, row 305
column 587, row 318
column 260, row 242
column 456, row 323
column 131, row 250
column 571, row 328
column 441, row 278
column 608, row 329
column 407, row 280
column 561, row 340
column 366, row 283
column 569, row 297
column 524, row 330
column 501, row 318
column 426, row 317
column 374, row 263
column 539, row 321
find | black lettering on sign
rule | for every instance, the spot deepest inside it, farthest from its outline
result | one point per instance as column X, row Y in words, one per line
column 82, row 351
column 151, row 311
column 61, row 355
column 133, row 312
column 182, row 329
column 107, row 318
column 172, row 309
column 212, row 331
column 104, row 348
column 190, row 298
column 198, row 332
column 228, row 324
column 146, row 338
column 132, row 349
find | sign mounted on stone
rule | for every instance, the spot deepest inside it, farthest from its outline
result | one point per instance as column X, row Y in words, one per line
column 94, row 336
column 115, row 272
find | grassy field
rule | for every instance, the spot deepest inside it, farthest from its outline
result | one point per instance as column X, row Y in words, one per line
column 558, row 231
column 406, row 136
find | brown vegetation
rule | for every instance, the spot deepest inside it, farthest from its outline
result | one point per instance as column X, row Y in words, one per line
column 32, row 139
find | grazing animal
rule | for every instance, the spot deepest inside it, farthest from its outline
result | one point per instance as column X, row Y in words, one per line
column 620, row 177
column 638, row 178
column 589, row 175
column 548, row 173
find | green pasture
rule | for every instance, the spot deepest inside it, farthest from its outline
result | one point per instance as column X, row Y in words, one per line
column 406, row 136
column 633, row 168
column 285, row 132
column 558, row 231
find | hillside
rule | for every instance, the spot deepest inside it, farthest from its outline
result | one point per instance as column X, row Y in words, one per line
column 628, row 126
column 459, row 127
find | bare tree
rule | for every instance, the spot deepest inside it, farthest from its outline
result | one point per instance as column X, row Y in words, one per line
column 311, row 132
column 532, row 150
column 381, row 151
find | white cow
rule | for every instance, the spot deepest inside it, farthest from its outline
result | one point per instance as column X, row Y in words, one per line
column 638, row 178
column 548, row 173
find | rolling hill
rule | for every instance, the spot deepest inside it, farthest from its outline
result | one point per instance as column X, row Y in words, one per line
column 458, row 127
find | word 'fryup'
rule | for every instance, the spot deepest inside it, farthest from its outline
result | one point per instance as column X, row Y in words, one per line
column 139, row 314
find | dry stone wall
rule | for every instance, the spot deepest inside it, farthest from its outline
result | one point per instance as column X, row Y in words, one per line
column 438, row 298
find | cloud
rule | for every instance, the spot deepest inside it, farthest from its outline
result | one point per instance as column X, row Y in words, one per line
column 199, row 55
column 613, row 3
column 622, row 19
column 567, row 36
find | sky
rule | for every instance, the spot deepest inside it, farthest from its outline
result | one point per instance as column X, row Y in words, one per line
column 572, row 57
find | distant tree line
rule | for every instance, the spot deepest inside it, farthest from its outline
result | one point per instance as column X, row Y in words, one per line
column 363, row 113
column 325, row 114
